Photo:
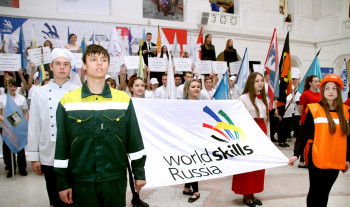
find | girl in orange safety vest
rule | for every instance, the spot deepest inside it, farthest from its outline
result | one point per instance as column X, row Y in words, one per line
column 325, row 135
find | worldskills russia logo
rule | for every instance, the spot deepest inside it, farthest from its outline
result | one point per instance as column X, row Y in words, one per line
column 227, row 129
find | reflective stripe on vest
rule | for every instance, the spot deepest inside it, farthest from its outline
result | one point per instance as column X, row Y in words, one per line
column 328, row 151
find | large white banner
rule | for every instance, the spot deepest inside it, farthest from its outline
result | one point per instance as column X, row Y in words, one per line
column 189, row 141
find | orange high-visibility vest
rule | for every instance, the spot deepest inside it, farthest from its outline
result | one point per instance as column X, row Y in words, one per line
column 328, row 151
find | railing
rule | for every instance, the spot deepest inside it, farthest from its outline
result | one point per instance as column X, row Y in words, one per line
column 288, row 27
column 224, row 19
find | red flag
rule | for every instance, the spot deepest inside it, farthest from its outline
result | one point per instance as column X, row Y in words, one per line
column 200, row 41
column 271, row 66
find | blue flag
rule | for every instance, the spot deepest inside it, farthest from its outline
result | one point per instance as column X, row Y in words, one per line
column 222, row 92
column 68, row 36
column 15, row 126
column 344, row 77
column 242, row 76
column 130, row 37
column 83, row 45
column 22, row 49
column 314, row 69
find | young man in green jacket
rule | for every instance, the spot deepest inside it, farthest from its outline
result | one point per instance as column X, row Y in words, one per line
column 97, row 130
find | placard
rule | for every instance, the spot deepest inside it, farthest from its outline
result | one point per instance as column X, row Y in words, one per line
column 183, row 64
column 153, row 48
column 219, row 67
column 234, row 67
column 132, row 62
column 10, row 62
column 35, row 56
column 204, row 67
column 114, row 64
column 46, row 54
column 77, row 60
column 259, row 68
column 157, row 64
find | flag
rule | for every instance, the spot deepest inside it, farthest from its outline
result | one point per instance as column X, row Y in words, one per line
column 42, row 75
column 15, row 126
column 129, row 39
column 83, row 45
column 140, row 69
column 222, row 92
column 143, row 38
column 314, row 69
column 74, row 77
column 271, row 66
column 170, row 85
column 68, row 36
column 242, row 76
column 344, row 77
column 116, row 47
column 22, row 49
column 285, row 70
column 93, row 37
column 200, row 42
column 175, row 49
column 33, row 43
column 159, row 41
column 11, row 47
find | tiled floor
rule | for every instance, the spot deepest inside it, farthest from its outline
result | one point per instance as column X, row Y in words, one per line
column 284, row 186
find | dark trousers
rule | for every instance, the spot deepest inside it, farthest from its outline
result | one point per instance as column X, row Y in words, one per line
column 194, row 186
column 296, row 125
column 286, row 128
column 21, row 158
column 100, row 194
column 273, row 123
column 51, row 186
column 321, row 182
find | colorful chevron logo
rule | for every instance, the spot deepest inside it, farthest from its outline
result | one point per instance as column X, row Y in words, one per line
column 224, row 128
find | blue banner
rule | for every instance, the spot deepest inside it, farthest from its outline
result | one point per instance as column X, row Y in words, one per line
column 15, row 126
column 8, row 25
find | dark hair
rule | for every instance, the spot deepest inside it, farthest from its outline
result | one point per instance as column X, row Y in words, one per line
column 131, row 83
column 148, row 33
column 206, row 45
column 249, row 88
column 167, row 54
column 112, row 81
column 11, row 82
column 95, row 49
column 45, row 81
column 228, row 44
column 71, row 35
column 164, row 74
column 308, row 80
column 338, row 102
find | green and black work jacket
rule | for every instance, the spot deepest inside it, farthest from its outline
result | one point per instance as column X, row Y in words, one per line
column 95, row 134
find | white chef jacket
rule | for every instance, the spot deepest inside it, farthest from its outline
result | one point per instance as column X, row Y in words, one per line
column 161, row 93
column 42, row 121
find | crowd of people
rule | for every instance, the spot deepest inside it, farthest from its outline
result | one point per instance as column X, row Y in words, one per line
column 66, row 122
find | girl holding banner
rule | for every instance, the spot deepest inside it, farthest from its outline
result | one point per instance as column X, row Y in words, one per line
column 325, row 135
column 191, row 92
column 255, row 101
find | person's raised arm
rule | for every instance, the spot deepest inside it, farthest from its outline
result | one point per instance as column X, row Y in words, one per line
column 24, row 85
column 31, row 76
column 148, row 85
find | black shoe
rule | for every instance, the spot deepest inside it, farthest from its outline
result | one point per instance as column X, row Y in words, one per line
column 9, row 174
column 187, row 193
column 282, row 145
column 285, row 144
column 23, row 172
column 191, row 200
column 140, row 203
column 302, row 166
column 250, row 203
column 274, row 140
column 7, row 168
column 258, row 202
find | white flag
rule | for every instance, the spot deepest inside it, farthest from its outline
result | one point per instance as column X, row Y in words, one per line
column 344, row 77
column 196, row 140
column 116, row 47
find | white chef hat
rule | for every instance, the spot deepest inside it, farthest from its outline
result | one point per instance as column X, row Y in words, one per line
column 36, row 75
column 154, row 81
column 59, row 52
